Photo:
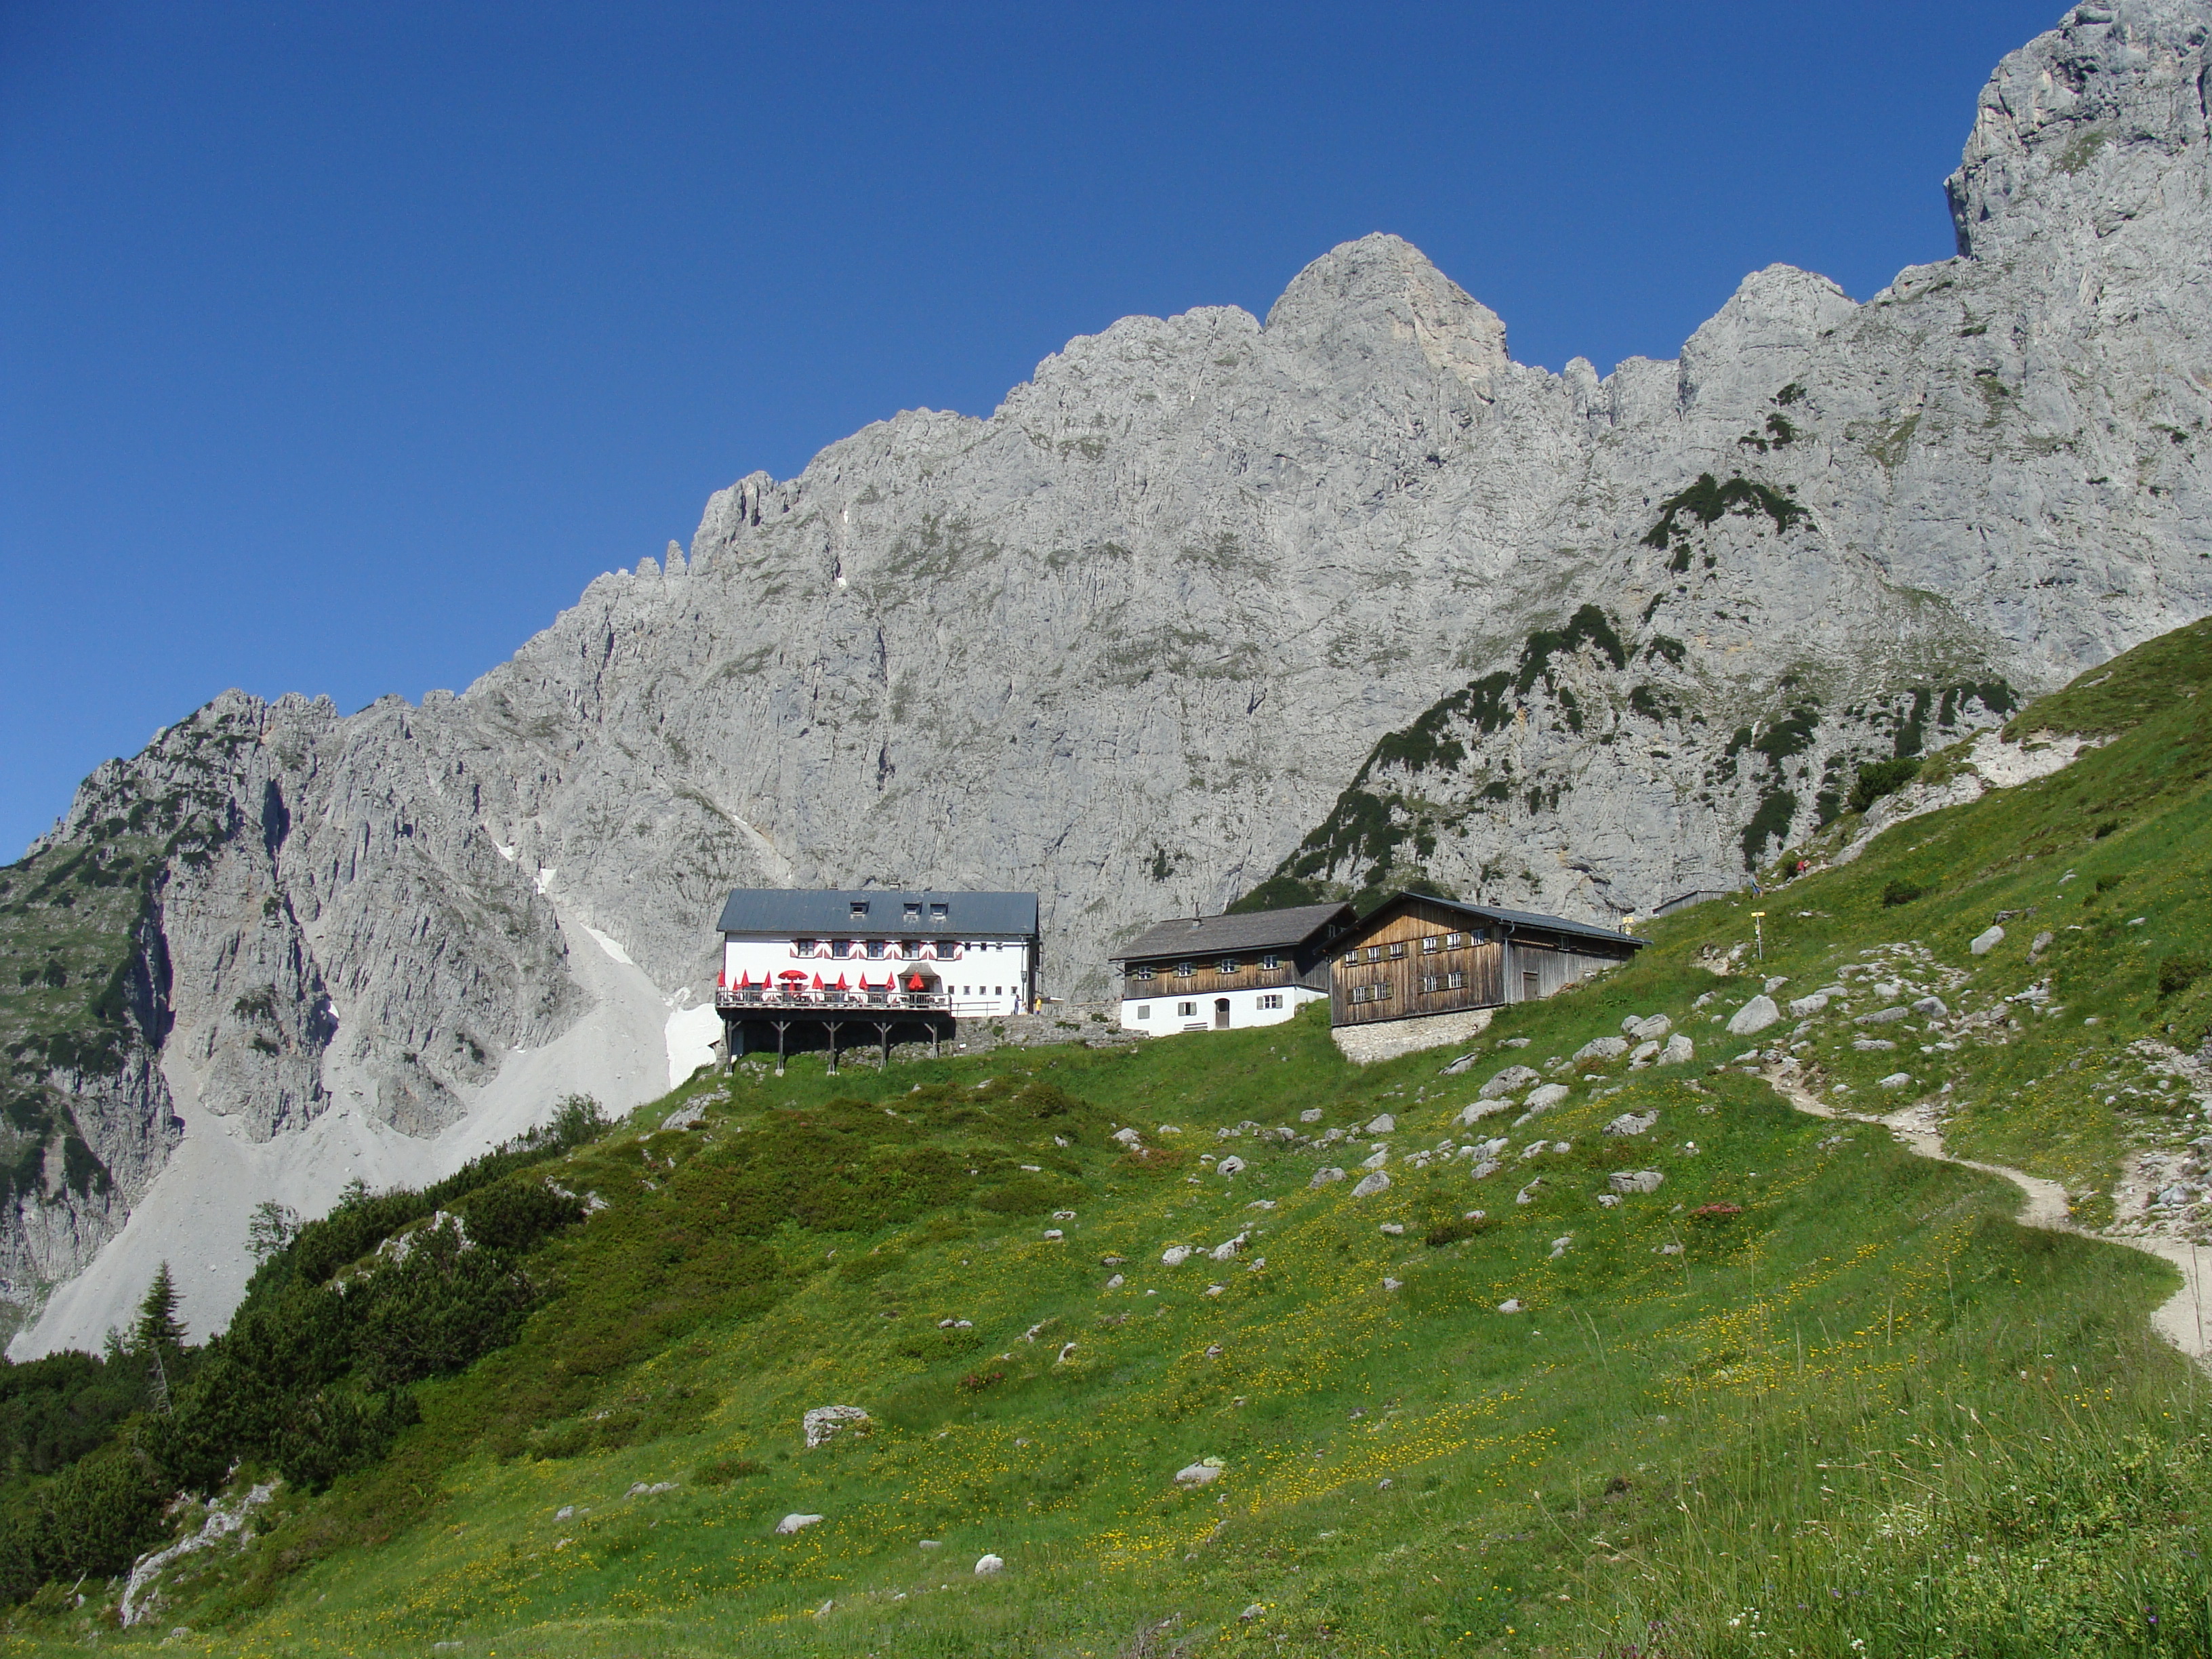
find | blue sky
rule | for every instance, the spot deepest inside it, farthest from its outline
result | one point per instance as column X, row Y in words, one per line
column 340, row 346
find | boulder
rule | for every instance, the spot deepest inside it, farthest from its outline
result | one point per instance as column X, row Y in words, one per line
column 1459, row 1066
column 1872, row 1045
column 1652, row 1028
column 1126, row 1138
column 1204, row 1472
column 1609, row 1201
column 1323, row 1177
column 1229, row 1166
column 1543, row 1098
column 1115, row 1283
column 1626, row 1182
column 684, row 1117
column 826, row 1422
column 1678, row 1051
column 1883, row 1017
column 1932, row 1007
column 1380, row 1124
column 1482, row 1109
column 792, row 1524
column 1371, row 1185
column 1560, row 1246
column 1810, row 1004
column 1755, row 1015
column 1512, row 1080
column 1632, row 1123
column 1894, row 1080
column 1642, row 1053
column 1175, row 1254
column 987, row 1565
column 1226, row 1250
column 1311, row 1114
column 1511, row 1304
column 1488, row 1166
column 2039, row 944
column 1604, row 1047
column 1375, row 1160
column 1986, row 941
column 1528, row 1193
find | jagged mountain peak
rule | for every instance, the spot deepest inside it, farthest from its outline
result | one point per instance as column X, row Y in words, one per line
column 1367, row 298
column 2078, row 132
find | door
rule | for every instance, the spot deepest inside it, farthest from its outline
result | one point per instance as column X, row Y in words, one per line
column 1531, row 986
column 1221, row 1014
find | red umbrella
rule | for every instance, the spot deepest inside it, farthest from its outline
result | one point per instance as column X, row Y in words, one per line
column 791, row 973
column 817, row 981
column 840, row 982
column 914, row 984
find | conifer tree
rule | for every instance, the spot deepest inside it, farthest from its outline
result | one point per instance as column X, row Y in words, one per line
column 158, row 1329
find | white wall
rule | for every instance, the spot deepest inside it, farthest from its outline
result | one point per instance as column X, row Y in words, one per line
column 987, row 979
column 1160, row 1016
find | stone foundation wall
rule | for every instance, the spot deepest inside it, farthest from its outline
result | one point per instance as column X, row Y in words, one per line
column 1363, row 1045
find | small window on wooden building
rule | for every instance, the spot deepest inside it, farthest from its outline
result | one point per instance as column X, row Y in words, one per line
column 1428, row 983
column 1397, row 949
column 1271, row 1001
column 1454, row 981
column 1140, row 973
column 1430, row 943
column 1270, row 964
column 1184, row 970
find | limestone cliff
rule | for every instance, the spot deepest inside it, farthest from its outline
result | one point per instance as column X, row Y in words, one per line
column 1210, row 601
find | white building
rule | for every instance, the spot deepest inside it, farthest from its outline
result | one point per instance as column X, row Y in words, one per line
column 791, row 954
column 1222, row 973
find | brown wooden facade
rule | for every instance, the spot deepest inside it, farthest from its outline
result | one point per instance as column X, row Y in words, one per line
column 1416, row 956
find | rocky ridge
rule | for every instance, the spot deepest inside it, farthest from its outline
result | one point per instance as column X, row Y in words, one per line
column 1132, row 640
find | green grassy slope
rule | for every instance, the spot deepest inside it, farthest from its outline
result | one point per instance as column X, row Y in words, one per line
column 1812, row 1394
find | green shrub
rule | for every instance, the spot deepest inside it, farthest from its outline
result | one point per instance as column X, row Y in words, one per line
column 1902, row 892
column 2177, row 973
column 1879, row 778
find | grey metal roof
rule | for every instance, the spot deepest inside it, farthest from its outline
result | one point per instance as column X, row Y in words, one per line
column 1256, row 930
column 1531, row 918
column 820, row 913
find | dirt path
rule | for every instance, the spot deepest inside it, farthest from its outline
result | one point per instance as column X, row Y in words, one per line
column 2180, row 1319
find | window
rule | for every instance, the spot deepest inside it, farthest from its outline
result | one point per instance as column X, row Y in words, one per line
column 1455, row 941
column 1271, row 1001
column 1144, row 1010
column 1226, row 965
column 1382, row 993
column 1183, row 970
column 1428, row 983
column 1350, row 957
column 1271, row 962
column 860, row 909
column 910, row 949
column 1185, row 1010
column 1397, row 949
column 913, row 912
column 875, row 949
column 938, row 913
column 997, row 990
column 1430, row 944
column 1144, row 973
column 1454, row 981
column 1374, row 953
column 803, row 947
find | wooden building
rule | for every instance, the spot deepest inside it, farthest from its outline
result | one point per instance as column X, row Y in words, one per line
column 1223, row 973
column 1416, row 956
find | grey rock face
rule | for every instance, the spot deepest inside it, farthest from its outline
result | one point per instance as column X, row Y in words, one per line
column 1210, row 601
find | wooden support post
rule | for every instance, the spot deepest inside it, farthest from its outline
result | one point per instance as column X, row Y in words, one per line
column 780, row 1026
column 832, row 1025
column 884, row 1031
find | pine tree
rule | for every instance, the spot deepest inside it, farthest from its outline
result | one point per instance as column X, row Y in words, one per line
column 158, row 1329
column 158, row 1336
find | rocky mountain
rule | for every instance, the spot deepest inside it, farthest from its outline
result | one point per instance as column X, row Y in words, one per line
column 1209, row 605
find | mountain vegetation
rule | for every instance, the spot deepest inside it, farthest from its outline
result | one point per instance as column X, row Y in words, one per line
column 1795, row 1387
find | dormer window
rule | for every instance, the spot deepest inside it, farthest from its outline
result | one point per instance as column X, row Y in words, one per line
column 913, row 912
column 860, row 909
column 938, row 913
